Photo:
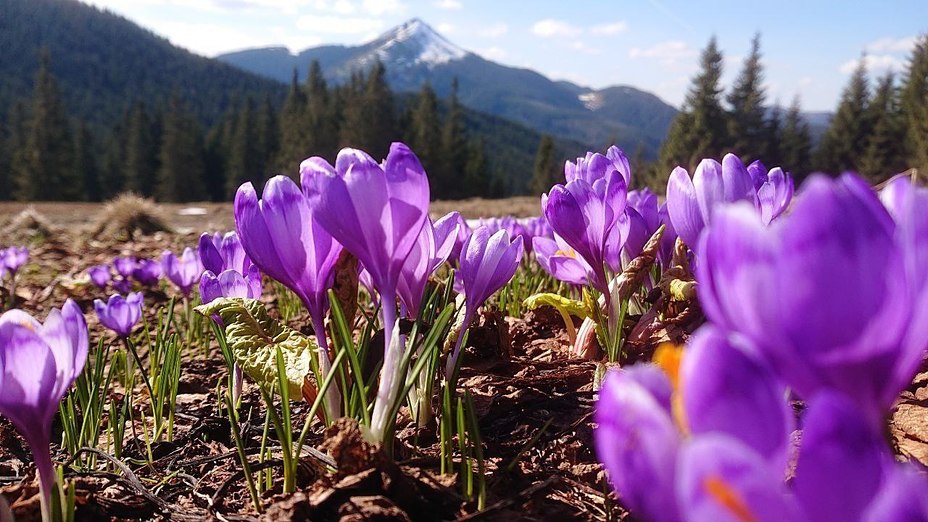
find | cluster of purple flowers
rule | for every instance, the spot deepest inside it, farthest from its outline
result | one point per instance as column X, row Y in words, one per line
column 827, row 305
column 378, row 212
column 147, row 272
column 12, row 259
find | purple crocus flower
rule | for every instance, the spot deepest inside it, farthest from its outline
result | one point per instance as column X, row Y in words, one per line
column 431, row 250
column 591, row 219
column 183, row 271
column 643, row 416
column 806, row 292
column 99, row 275
column 774, row 190
column 281, row 234
column 125, row 266
column 487, row 264
column 122, row 285
column 120, row 314
column 148, row 272
column 376, row 212
column 463, row 232
column 219, row 253
column 13, row 258
column 230, row 283
column 597, row 166
column 558, row 259
column 38, row 363
column 691, row 203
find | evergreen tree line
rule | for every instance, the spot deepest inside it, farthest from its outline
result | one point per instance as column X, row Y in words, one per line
column 876, row 132
column 165, row 153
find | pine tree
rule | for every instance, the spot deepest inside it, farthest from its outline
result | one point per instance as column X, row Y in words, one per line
column 323, row 120
column 12, row 148
column 142, row 146
column 914, row 106
column 546, row 172
column 424, row 138
column 243, row 153
column 773, row 135
column 746, row 125
column 795, row 143
column 180, row 176
column 476, row 180
column 843, row 144
column 112, row 175
column 699, row 130
column 85, row 163
column 293, row 129
column 885, row 152
column 350, row 99
column 46, row 169
column 456, row 152
column 268, row 130
column 380, row 130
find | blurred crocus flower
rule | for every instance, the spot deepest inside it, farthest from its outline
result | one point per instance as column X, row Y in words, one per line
column 13, row 258
column 591, row 218
column 487, row 264
column 120, row 314
column 596, row 166
column 561, row 261
column 824, row 294
column 221, row 252
column 125, row 266
column 183, row 271
column 99, row 275
column 123, row 285
column 38, row 363
column 377, row 212
column 230, row 283
column 431, row 250
column 148, row 272
column 463, row 232
column 691, row 203
column 282, row 235
column 774, row 191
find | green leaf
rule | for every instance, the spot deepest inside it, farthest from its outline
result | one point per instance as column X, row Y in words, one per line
column 581, row 309
column 253, row 338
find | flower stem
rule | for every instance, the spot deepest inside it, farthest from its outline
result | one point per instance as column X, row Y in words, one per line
column 332, row 398
column 388, row 388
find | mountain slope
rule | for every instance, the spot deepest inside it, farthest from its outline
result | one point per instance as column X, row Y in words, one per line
column 103, row 62
column 414, row 53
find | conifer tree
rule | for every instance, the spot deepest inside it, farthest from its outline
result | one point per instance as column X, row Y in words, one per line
column 699, row 129
column 45, row 171
column 885, row 151
column 268, row 137
column 180, row 176
column 476, row 179
column 243, row 154
column 843, row 144
column 456, row 151
column 380, row 128
column 12, row 148
column 914, row 106
column 142, row 146
column 795, row 143
column 112, row 168
column 746, row 125
column 351, row 101
column 85, row 163
column 323, row 120
column 772, row 136
column 424, row 137
column 547, row 172
column 293, row 129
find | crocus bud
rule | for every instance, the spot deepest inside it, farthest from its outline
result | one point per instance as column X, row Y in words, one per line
column 184, row 271
column 119, row 313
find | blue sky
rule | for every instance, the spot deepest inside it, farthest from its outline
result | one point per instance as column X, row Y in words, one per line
column 809, row 46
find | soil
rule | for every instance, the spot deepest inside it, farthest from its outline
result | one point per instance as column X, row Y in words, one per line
column 533, row 401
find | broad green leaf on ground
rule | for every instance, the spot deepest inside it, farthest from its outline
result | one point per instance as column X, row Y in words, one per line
column 253, row 337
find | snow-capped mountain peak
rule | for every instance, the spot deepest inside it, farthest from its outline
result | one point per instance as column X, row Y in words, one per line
column 415, row 42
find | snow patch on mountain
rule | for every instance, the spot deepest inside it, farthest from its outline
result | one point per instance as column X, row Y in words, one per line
column 591, row 100
column 416, row 42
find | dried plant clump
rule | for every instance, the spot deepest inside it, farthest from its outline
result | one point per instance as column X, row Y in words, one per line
column 29, row 225
column 129, row 215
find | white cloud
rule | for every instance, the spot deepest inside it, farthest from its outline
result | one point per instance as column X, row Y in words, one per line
column 494, row 31
column 875, row 64
column 448, row 4
column 338, row 24
column 891, row 45
column 445, row 28
column 671, row 52
column 552, row 28
column 609, row 29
